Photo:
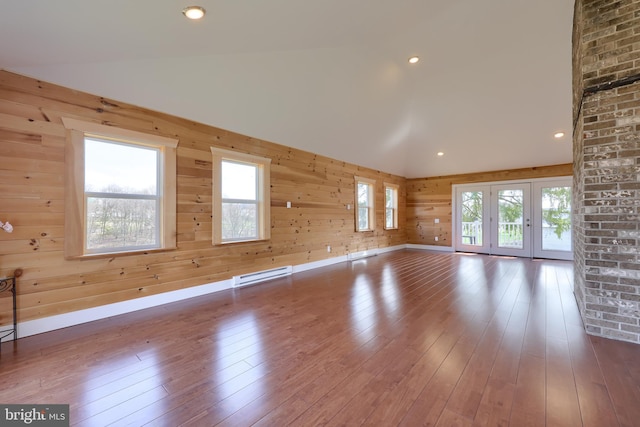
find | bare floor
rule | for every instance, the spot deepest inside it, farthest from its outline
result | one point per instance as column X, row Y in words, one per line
column 405, row 338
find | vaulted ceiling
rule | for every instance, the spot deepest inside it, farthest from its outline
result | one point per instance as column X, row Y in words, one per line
column 492, row 87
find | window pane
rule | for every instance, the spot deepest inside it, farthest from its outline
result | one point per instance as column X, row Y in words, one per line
column 472, row 218
column 363, row 218
column 117, row 168
column 364, row 206
column 239, row 221
column 556, row 219
column 389, row 199
column 363, row 194
column 239, row 181
column 389, row 218
column 391, row 206
column 121, row 223
column 510, row 219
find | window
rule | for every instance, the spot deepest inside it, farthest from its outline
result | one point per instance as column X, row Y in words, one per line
column 241, row 197
column 365, row 201
column 120, row 194
column 390, row 206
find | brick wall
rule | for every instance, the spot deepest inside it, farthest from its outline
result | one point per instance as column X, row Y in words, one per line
column 606, row 59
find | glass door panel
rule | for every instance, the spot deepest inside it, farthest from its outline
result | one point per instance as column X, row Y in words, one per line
column 472, row 226
column 511, row 222
column 472, row 218
column 552, row 203
column 556, row 219
column 510, row 218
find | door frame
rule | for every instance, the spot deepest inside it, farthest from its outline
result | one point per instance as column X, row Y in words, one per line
column 535, row 214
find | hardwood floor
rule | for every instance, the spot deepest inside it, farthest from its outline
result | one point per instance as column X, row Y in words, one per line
column 406, row 338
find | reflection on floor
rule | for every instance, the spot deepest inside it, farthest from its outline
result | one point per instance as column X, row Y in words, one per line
column 408, row 337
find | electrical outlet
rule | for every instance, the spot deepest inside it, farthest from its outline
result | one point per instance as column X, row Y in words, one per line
column 328, row 248
column 437, row 220
column 288, row 205
column 436, row 238
column 348, row 207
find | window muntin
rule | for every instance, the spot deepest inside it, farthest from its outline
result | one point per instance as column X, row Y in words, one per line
column 390, row 206
column 241, row 197
column 120, row 194
column 365, row 204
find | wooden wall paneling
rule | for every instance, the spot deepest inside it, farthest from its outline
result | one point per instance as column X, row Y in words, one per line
column 33, row 192
column 18, row 109
column 29, row 125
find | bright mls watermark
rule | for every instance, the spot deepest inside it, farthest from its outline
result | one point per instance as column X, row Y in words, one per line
column 34, row 415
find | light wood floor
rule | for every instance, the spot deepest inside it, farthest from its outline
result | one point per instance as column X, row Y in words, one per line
column 406, row 338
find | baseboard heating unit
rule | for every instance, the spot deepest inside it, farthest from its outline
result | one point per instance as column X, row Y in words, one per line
column 261, row 276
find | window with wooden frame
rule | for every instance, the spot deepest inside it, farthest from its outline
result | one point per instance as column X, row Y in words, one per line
column 390, row 206
column 365, row 204
column 120, row 191
column 241, row 197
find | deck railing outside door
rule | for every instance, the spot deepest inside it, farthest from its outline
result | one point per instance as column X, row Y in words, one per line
column 509, row 233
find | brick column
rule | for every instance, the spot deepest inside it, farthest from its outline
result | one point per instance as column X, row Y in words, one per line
column 606, row 80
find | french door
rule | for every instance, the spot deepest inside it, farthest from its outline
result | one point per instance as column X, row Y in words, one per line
column 521, row 219
column 494, row 219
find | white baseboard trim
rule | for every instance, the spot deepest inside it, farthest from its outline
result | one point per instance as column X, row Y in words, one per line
column 51, row 323
column 431, row 248
column 391, row 249
column 318, row 264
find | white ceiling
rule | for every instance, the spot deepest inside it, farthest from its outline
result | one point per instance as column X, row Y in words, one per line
column 331, row 77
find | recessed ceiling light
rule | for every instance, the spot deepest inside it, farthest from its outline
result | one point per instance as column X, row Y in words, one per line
column 440, row 153
column 193, row 12
column 558, row 135
column 414, row 59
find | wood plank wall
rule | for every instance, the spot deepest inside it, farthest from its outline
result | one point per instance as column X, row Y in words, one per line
column 32, row 140
column 431, row 198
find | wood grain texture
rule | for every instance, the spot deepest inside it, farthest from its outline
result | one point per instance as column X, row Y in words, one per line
column 32, row 196
column 404, row 338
